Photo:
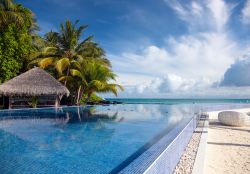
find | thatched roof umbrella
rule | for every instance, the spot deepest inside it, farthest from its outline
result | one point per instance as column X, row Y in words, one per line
column 35, row 82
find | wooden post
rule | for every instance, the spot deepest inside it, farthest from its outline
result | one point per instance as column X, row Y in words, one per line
column 57, row 102
column 10, row 102
column 3, row 102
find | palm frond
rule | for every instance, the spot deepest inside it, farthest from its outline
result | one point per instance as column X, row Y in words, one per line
column 49, row 50
column 95, row 85
column 62, row 65
column 65, row 78
column 51, row 38
column 76, row 73
column 45, row 62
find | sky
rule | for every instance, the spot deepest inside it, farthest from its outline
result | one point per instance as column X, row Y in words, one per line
column 164, row 48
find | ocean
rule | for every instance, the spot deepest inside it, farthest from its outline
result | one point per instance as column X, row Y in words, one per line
column 202, row 104
column 176, row 101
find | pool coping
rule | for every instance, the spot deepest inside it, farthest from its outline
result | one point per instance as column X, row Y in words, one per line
column 170, row 145
column 199, row 163
column 143, row 164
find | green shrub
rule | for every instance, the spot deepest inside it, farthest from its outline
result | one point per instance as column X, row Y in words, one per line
column 94, row 98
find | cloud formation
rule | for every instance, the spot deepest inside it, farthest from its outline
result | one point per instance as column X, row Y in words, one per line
column 193, row 63
column 210, row 15
column 191, row 56
column 238, row 74
column 246, row 13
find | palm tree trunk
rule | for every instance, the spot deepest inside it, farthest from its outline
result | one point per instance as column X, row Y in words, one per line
column 81, row 94
column 65, row 82
column 88, row 97
column 78, row 95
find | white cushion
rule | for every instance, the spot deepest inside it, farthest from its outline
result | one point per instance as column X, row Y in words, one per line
column 233, row 118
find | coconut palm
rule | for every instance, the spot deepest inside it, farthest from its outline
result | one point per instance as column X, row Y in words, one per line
column 11, row 13
column 92, row 77
column 64, row 47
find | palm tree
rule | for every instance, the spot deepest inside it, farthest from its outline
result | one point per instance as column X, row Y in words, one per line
column 64, row 47
column 11, row 13
column 92, row 77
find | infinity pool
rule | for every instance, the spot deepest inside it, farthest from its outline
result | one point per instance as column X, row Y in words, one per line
column 83, row 139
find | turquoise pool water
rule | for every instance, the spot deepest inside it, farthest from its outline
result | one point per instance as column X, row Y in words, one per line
column 91, row 140
column 82, row 140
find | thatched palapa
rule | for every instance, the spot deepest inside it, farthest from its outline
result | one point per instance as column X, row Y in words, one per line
column 35, row 82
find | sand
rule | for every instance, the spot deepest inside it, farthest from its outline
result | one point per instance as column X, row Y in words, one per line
column 228, row 148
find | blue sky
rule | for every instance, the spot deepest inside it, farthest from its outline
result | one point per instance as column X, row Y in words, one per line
column 112, row 22
column 165, row 48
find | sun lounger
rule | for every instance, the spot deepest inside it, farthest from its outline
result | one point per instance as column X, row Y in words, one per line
column 233, row 118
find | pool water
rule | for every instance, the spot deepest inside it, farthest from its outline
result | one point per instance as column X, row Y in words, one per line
column 83, row 139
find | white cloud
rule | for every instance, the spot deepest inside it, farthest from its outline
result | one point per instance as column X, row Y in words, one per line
column 188, row 65
column 197, row 8
column 178, row 7
column 192, row 56
column 192, row 14
column 238, row 73
column 221, row 12
column 246, row 13
column 185, row 88
column 209, row 14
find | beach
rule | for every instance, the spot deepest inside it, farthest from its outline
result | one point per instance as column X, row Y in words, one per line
column 228, row 148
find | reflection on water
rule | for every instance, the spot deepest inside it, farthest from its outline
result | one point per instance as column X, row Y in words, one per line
column 42, row 122
column 95, row 138
column 93, row 113
column 25, row 123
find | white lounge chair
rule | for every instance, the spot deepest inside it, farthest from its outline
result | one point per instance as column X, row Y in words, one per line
column 233, row 118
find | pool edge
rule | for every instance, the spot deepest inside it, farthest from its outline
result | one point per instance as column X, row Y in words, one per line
column 167, row 159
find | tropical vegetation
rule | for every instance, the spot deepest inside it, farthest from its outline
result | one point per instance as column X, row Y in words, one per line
column 17, row 25
column 91, row 77
column 80, row 64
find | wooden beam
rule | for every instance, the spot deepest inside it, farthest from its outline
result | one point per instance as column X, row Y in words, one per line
column 57, row 102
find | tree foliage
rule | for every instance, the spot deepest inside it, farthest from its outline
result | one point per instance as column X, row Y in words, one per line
column 16, row 24
column 15, row 47
column 11, row 13
column 64, row 47
column 90, row 77
column 81, row 64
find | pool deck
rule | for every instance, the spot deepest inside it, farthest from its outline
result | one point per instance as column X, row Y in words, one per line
column 227, row 148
